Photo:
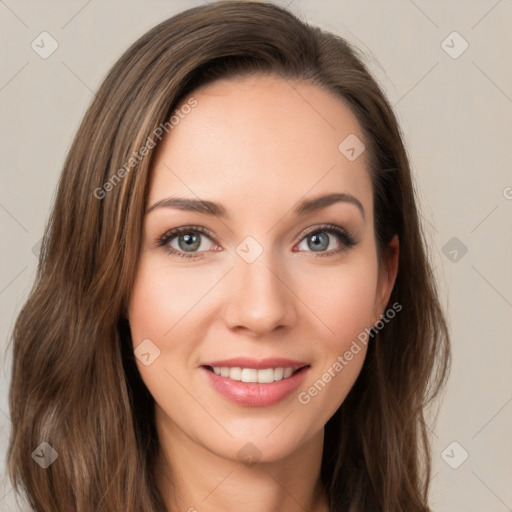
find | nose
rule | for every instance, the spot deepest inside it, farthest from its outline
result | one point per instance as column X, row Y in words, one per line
column 260, row 298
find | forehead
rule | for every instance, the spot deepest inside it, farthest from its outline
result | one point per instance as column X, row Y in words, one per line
column 259, row 140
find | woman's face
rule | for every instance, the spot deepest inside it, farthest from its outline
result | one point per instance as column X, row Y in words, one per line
column 271, row 281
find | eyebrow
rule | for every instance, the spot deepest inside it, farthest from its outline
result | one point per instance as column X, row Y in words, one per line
column 211, row 208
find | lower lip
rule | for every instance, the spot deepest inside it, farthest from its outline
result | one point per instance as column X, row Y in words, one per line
column 254, row 394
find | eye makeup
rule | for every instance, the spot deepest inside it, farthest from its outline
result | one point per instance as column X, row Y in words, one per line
column 346, row 240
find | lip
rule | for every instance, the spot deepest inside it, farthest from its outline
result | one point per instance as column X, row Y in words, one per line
column 255, row 394
column 258, row 364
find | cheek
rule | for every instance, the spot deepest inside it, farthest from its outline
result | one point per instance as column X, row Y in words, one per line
column 162, row 298
column 342, row 299
column 169, row 307
column 175, row 307
column 345, row 305
column 161, row 310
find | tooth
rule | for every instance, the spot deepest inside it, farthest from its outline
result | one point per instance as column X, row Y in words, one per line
column 249, row 375
column 263, row 376
column 287, row 372
column 235, row 373
column 278, row 373
column 266, row 375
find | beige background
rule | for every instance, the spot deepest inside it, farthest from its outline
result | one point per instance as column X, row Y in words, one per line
column 456, row 117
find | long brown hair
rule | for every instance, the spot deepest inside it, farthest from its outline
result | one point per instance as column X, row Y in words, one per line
column 74, row 381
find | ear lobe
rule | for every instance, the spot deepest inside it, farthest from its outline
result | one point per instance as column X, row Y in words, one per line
column 388, row 273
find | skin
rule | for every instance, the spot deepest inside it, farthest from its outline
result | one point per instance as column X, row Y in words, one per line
column 257, row 146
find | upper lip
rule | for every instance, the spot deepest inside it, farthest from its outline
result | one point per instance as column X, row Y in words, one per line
column 258, row 364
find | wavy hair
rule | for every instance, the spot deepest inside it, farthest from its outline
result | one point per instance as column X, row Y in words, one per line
column 75, row 384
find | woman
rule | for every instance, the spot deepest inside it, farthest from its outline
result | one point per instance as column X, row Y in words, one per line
column 233, row 306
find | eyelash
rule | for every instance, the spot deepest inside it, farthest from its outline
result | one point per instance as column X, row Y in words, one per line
column 346, row 239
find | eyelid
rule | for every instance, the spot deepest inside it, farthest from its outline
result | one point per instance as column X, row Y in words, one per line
column 323, row 227
column 345, row 237
column 163, row 241
column 171, row 233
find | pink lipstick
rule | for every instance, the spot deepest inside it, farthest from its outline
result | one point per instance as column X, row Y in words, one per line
column 255, row 382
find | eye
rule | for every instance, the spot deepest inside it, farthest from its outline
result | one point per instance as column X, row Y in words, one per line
column 186, row 241
column 318, row 239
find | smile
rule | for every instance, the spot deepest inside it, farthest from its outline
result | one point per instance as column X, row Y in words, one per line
column 255, row 383
column 263, row 376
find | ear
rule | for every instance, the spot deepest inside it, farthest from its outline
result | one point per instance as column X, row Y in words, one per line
column 387, row 276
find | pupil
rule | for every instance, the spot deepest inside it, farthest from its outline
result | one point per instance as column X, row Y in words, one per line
column 191, row 241
column 317, row 242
